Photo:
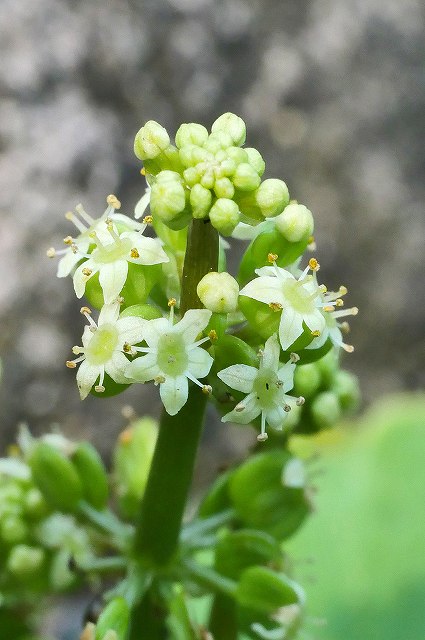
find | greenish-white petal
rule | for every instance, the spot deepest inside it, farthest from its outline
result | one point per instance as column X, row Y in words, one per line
column 149, row 249
column 142, row 369
column 174, row 393
column 87, row 375
column 200, row 362
column 109, row 314
column 239, row 376
column 116, row 367
column 112, row 277
column 286, row 375
column 245, row 411
column 131, row 329
column 142, row 204
column 264, row 289
column 290, row 328
column 80, row 279
column 271, row 353
column 275, row 416
column 192, row 323
column 154, row 329
column 315, row 321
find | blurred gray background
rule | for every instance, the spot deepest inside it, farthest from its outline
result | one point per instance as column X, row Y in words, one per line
column 333, row 95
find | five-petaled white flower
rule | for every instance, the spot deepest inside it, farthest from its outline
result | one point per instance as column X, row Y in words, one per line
column 104, row 346
column 78, row 246
column 299, row 299
column 266, row 387
column 111, row 256
column 173, row 356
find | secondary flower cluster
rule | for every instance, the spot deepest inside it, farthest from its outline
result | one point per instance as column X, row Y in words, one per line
column 243, row 347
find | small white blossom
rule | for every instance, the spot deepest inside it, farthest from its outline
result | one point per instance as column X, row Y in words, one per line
column 266, row 387
column 299, row 298
column 173, row 356
column 332, row 311
column 78, row 246
column 104, row 347
column 111, row 257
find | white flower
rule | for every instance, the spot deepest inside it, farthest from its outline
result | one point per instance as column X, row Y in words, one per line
column 111, row 256
column 173, row 356
column 78, row 246
column 333, row 329
column 266, row 387
column 300, row 299
column 104, row 346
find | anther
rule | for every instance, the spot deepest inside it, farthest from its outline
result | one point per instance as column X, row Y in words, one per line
column 77, row 350
column 345, row 327
column 275, row 306
column 148, row 219
column 294, row 357
column 69, row 240
column 74, row 248
column 158, row 380
column 120, row 300
column 213, row 335
column 127, row 348
column 126, row 436
column 339, row 302
column 70, row 364
column 134, row 253
column 207, row 389
column 113, row 201
column 85, row 310
column 99, row 388
column 300, row 401
column 287, row 408
column 329, row 308
column 272, row 257
column 240, row 407
column 172, row 302
column 262, row 437
column 51, row 253
column 87, row 272
column 342, row 290
column 316, row 333
column 143, row 171
column 313, row 264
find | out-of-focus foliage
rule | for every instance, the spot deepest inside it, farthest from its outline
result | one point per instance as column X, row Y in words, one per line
column 366, row 539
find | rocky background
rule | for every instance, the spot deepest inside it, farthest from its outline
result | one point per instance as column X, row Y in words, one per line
column 333, row 94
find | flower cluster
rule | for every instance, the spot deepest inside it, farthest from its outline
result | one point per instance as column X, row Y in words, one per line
column 240, row 339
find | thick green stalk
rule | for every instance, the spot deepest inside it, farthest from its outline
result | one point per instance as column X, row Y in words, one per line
column 170, row 477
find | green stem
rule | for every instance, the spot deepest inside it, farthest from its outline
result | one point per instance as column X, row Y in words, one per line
column 201, row 257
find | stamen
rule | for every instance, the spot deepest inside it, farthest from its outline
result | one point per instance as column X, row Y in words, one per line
column 315, row 333
column 113, row 201
column 77, row 350
column 81, row 211
column 262, row 437
column 294, row 357
column 73, row 218
column 71, row 364
column 275, row 306
column 127, row 348
column 99, row 388
column 347, row 347
column 198, row 342
column 143, row 171
column 69, row 240
column 287, row 408
column 313, row 264
column 240, row 407
column 300, row 401
column 207, row 389
column 85, row 311
column 272, row 257
column 87, row 272
column 158, row 380
column 134, row 253
column 345, row 312
column 344, row 327
column 148, row 219
column 213, row 335
column 172, row 303
column 111, row 230
column 339, row 302
column 126, row 436
column 51, row 253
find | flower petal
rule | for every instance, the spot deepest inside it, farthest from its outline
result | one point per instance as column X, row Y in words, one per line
column 315, row 321
column 154, row 329
column 192, row 323
column 117, row 366
column 264, row 289
column 250, row 411
column 87, row 375
column 174, row 393
column 80, row 279
column 109, row 314
column 68, row 262
column 142, row 205
column 239, row 376
column 276, row 416
column 142, row 369
column 290, row 327
column 112, row 277
column 149, row 249
column 131, row 329
column 286, row 375
column 200, row 362
column 271, row 353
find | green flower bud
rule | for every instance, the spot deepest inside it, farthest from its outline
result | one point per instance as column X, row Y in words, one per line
column 191, row 133
column 237, row 155
column 218, row 292
column 233, row 125
column 200, row 200
column 188, row 155
column 245, row 177
column 325, row 409
column 115, row 617
column 56, row 477
column 13, row 529
column 272, row 197
column 92, row 474
column 241, row 549
column 208, row 178
column 150, row 141
column 24, row 561
column 346, row 387
column 295, row 223
column 217, row 142
column 307, row 380
column 224, row 216
column 132, row 458
column 265, row 590
column 223, row 188
column 255, row 159
column 35, row 505
column 191, row 176
column 168, row 198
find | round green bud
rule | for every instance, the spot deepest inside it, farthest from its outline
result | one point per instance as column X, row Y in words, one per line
column 346, row 387
column 224, row 216
column 223, row 188
column 150, row 141
column 237, row 155
column 245, row 177
column 192, row 176
column 307, row 380
column 218, row 292
column 168, row 197
column 255, row 159
column 200, row 200
column 92, row 473
column 13, row 530
column 208, row 179
column 295, row 222
column 187, row 155
column 233, row 125
column 191, row 133
column 325, row 409
column 24, row 560
column 35, row 505
column 272, row 197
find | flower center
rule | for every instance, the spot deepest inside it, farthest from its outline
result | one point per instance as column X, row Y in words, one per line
column 266, row 386
column 172, row 357
column 298, row 296
column 114, row 251
column 102, row 345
